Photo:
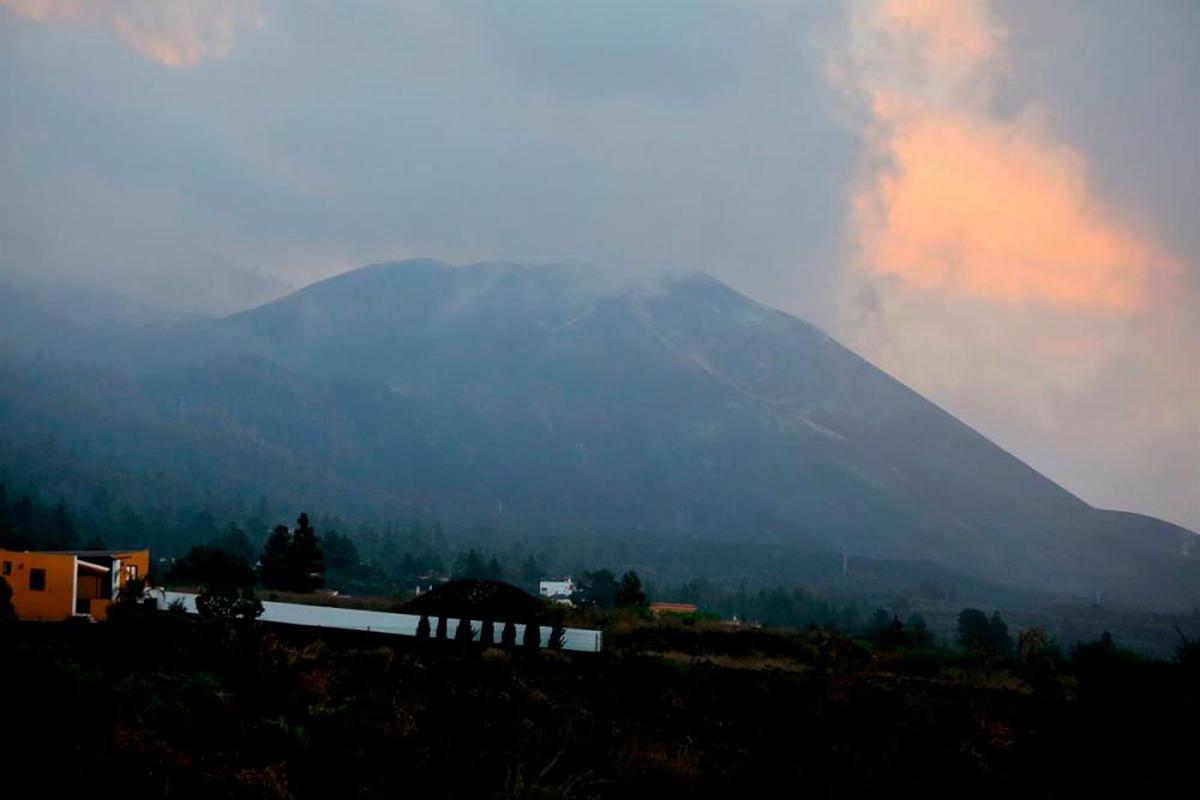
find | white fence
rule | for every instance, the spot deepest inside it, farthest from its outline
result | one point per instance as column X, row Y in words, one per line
column 354, row 619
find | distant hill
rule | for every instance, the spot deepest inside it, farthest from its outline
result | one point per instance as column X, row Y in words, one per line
column 545, row 399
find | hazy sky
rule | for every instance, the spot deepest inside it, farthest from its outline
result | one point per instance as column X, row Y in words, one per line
column 996, row 202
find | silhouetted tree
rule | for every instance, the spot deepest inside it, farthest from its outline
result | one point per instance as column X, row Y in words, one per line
column 274, row 566
column 532, row 639
column 918, row 631
column 531, row 573
column 211, row 569
column 235, row 542
column 471, row 565
column 557, row 635
column 1039, row 658
column 306, row 562
column 202, row 527
column 880, row 621
column 597, row 589
column 629, row 594
column 441, row 633
column 973, row 630
column 341, row 554
column 508, row 637
column 487, row 634
column 423, row 627
column 888, row 632
column 999, row 641
column 7, row 612
column 494, row 571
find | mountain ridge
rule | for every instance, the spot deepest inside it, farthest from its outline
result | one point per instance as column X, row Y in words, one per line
column 675, row 408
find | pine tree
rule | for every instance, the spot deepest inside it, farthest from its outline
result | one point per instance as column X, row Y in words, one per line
column 532, row 639
column 974, row 630
column 999, row 641
column 471, row 566
column 341, row 554
column 596, row 589
column 918, row 631
column 531, row 572
column 629, row 593
column 508, row 638
column 557, row 635
column 235, row 542
column 274, row 569
column 305, row 561
column 494, row 571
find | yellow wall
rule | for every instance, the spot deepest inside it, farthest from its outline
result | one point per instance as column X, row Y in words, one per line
column 57, row 600
column 87, row 585
column 139, row 559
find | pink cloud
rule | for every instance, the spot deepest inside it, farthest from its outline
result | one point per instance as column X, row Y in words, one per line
column 957, row 198
column 177, row 34
column 989, row 274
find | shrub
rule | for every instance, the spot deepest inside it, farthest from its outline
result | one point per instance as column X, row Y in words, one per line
column 227, row 604
column 532, row 639
column 508, row 639
column 7, row 612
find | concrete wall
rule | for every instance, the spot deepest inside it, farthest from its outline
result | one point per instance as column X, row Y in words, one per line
column 577, row 639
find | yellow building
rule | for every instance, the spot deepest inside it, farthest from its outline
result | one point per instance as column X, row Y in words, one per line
column 56, row 585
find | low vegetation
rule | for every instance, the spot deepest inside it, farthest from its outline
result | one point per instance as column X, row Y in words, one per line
column 170, row 705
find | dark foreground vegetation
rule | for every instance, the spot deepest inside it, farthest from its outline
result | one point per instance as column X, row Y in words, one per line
column 167, row 705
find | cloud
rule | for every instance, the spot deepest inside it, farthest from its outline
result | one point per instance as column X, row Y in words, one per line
column 178, row 33
column 958, row 197
column 987, row 272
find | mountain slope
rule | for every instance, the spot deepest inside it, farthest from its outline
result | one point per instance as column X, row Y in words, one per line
column 546, row 399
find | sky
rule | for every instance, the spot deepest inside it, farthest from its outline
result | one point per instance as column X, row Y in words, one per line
column 996, row 202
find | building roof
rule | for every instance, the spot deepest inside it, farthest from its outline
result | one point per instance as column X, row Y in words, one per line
column 91, row 553
column 680, row 607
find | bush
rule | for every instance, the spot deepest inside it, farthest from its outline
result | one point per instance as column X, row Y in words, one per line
column 211, row 568
column 227, row 604
column 7, row 612
column 532, row 639
column 508, row 639
column 464, row 633
column 557, row 635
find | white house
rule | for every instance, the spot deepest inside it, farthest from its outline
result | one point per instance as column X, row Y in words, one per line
column 557, row 589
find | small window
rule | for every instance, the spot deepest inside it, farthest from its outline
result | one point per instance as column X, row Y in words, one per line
column 131, row 572
column 6, row 568
column 37, row 580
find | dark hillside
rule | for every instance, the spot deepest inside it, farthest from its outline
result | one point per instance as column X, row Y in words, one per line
column 533, row 401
